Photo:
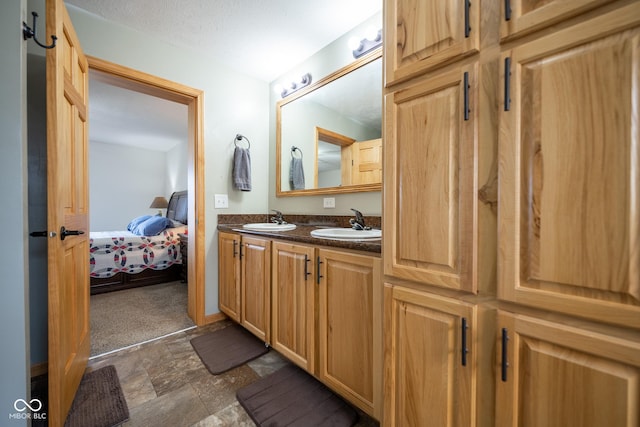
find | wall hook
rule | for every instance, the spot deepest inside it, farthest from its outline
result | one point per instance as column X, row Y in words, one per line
column 28, row 33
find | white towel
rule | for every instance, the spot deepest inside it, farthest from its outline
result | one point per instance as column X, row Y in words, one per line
column 296, row 174
column 242, row 169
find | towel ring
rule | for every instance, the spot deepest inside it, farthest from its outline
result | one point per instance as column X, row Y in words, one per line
column 293, row 149
column 240, row 138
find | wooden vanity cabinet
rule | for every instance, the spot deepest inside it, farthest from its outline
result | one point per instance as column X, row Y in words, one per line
column 229, row 275
column 293, row 303
column 255, row 289
column 350, row 327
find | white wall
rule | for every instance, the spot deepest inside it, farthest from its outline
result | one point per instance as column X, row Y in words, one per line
column 177, row 161
column 326, row 61
column 123, row 182
column 14, row 323
column 234, row 103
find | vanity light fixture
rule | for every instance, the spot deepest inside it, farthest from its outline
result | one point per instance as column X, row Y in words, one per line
column 367, row 44
column 304, row 81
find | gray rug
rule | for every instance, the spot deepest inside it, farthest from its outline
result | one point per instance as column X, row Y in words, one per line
column 99, row 401
column 123, row 318
column 291, row 397
column 227, row 348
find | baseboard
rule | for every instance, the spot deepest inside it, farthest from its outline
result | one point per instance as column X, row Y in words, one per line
column 211, row 318
column 39, row 369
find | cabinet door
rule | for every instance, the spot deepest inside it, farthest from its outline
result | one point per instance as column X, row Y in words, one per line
column 426, row 381
column 430, row 200
column 293, row 305
column 255, row 295
column 520, row 17
column 424, row 34
column 229, row 275
column 349, row 326
column 557, row 375
column 569, row 222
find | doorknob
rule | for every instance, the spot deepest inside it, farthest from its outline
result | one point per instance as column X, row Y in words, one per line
column 64, row 232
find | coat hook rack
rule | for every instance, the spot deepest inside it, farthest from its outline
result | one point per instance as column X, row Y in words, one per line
column 28, row 33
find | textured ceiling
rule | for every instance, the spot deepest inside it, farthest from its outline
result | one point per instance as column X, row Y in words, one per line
column 262, row 38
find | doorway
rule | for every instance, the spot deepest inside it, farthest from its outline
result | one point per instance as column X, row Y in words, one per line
column 137, row 81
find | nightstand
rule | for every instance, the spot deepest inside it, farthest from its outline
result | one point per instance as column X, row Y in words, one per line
column 184, row 250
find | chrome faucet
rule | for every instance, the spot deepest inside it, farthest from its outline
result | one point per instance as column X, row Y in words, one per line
column 357, row 223
column 278, row 219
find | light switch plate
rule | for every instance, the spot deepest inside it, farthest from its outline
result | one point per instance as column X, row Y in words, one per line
column 329, row 202
column 221, row 201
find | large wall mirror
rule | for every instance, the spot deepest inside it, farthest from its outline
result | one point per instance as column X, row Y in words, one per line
column 329, row 135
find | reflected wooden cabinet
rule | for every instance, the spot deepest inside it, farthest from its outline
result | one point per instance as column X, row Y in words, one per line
column 431, row 359
column 553, row 374
column 229, row 275
column 255, row 289
column 350, row 327
column 570, row 167
column 431, row 144
column 423, row 35
column 293, row 296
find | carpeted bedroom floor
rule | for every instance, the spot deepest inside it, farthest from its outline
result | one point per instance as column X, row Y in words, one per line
column 125, row 318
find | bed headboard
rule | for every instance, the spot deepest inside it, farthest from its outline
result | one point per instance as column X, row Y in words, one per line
column 178, row 206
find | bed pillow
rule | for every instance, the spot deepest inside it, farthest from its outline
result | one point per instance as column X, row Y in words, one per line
column 174, row 224
column 151, row 227
column 137, row 221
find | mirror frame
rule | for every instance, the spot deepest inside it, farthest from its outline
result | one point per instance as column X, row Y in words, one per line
column 357, row 188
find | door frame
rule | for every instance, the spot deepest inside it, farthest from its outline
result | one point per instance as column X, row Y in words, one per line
column 128, row 78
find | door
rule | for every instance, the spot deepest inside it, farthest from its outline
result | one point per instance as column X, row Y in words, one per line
column 293, row 303
column 67, row 193
column 367, row 162
column 426, row 34
column 569, row 170
column 255, row 312
column 430, row 197
column 550, row 374
column 349, row 312
column 229, row 275
column 430, row 359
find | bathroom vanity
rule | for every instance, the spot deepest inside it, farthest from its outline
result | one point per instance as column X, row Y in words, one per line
column 318, row 302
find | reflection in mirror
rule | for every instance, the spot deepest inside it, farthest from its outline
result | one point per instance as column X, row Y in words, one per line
column 328, row 137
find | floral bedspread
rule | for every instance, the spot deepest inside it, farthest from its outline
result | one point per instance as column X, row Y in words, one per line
column 112, row 252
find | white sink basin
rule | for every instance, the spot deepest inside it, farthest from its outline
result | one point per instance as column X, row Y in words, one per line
column 346, row 234
column 269, row 226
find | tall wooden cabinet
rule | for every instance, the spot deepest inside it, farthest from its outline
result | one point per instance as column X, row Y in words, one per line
column 550, row 288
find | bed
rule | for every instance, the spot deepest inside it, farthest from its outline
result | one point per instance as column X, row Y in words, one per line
column 122, row 260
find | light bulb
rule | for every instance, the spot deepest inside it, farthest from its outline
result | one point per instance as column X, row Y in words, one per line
column 354, row 43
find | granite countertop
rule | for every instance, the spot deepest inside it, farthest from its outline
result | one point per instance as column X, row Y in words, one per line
column 304, row 226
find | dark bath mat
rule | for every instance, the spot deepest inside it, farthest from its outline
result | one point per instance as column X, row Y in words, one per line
column 99, row 401
column 227, row 348
column 291, row 397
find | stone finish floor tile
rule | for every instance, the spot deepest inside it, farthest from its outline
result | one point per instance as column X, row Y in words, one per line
column 166, row 384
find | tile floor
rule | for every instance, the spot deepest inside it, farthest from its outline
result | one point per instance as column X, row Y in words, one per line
column 166, row 384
